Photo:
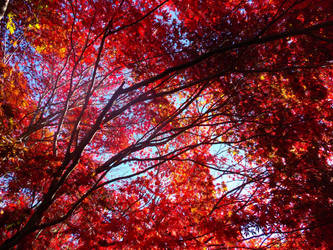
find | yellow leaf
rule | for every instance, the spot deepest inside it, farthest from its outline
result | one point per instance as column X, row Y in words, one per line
column 40, row 48
column 15, row 44
column 10, row 24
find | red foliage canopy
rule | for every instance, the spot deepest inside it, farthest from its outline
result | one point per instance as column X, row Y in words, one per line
column 166, row 124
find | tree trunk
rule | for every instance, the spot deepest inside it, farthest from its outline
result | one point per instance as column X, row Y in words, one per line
column 3, row 8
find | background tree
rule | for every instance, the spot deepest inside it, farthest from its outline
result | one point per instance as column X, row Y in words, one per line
column 166, row 123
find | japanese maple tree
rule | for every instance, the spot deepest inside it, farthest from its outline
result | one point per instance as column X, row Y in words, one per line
column 166, row 124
